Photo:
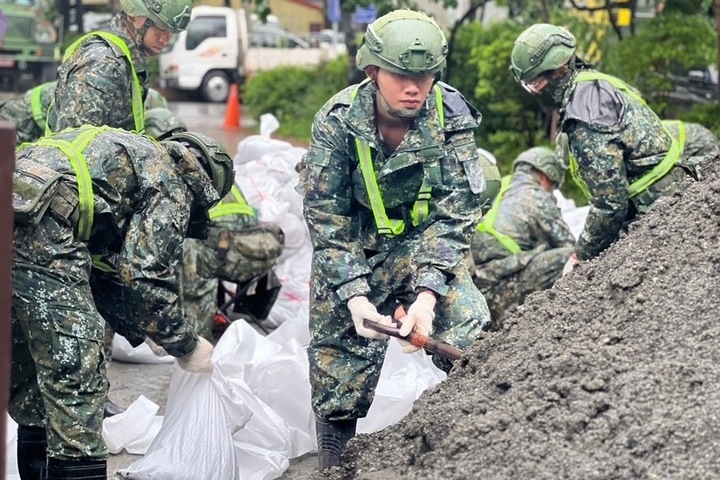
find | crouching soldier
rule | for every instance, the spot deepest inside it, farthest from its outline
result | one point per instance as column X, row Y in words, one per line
column 523, row 243
column 101, row 199
column 237, row 249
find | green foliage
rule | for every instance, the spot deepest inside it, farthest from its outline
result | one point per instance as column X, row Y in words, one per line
column 667, row 43
column 294, row 94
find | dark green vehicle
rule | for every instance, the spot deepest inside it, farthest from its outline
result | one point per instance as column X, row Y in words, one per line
column 29, row 42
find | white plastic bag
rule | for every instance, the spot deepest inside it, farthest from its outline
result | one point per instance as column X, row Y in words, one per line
column 196, row 439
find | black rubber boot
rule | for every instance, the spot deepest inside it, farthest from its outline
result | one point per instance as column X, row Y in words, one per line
column 332, row 436
column 112, row 409
column 77, row 469
column 31, row 453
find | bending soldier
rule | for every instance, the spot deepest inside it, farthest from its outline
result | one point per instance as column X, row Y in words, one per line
column 123, row 204
column 523, row 243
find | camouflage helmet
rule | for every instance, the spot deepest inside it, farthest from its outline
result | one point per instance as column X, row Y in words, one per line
column 214, row 158
column 488, row 162
column 171, row 15
column 404, row 42
column 544, row 160
column 161, row 123
column 541, row 48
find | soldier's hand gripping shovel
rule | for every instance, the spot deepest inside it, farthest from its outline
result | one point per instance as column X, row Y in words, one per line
column 417, row 339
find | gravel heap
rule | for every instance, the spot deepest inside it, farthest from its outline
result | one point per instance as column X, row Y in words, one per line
column 611, row 374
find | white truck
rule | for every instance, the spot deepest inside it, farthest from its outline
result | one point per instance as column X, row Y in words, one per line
column 222, row 45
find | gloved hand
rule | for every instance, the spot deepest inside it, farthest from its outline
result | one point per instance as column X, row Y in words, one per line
column 360, row 309
column 419, row 318
column 570, row 264
column 199, row 360
column 156, row 349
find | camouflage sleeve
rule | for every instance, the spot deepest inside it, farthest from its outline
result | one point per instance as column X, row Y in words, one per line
column 94, row 88
column 601, row 166
column 17, row 111
column 454, row 211
column 150, row 261
column 326, row 185
column 553, row 228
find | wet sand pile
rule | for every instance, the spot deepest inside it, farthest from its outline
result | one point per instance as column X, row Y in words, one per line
column 614, row 373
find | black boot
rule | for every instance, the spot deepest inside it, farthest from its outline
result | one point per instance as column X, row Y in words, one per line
column 111, row 409
column 31, row 452
column 332, row 436
column 77, row 469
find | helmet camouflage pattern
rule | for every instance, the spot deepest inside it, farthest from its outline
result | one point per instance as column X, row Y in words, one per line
column 214, row 158
column 404, row 42
column 160, row 123
column 544, row 160
column 172, row 15
column 155, row 99
column 540, row 48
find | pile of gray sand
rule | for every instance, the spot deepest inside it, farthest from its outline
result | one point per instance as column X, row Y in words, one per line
column 614, row 373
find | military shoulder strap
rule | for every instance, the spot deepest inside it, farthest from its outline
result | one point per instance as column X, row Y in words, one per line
column 138, row 107
column 421, row 207
column 657, row 172
column 233, row 204
column 487, row 225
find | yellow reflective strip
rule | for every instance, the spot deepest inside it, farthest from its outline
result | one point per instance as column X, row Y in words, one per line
column 439, row 103
column 82, row 176
column 138, row 107
column 662, row 168
column 384, row 224
column 488, row 222
column 238, row 207
column 575, row 174
column 99, row 264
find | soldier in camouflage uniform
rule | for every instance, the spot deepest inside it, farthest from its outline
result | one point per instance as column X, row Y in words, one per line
column 103, row 79
column 523, row 243
column 250, row 250
column 30, row 112
column 619, row 153
column 123, row 204
column 391, row 185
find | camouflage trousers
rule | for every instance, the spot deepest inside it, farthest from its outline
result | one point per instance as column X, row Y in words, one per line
column 199, row 294
column 58, row 376
column 506, row 282
column 344, row 366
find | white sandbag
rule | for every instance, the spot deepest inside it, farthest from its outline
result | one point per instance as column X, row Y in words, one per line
column 402, row 379
column 122, row 351
column 202, row 414
column 127, row 429
column 11, row 467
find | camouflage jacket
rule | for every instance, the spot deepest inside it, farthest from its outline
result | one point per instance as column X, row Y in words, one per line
column 529, row 215
column 699, row 141
column 19, row 111
column 616, row 140
column 94, row 85
column 142, row 209
column 336, row 204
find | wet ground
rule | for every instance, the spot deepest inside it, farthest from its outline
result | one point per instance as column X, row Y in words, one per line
column 611, row 374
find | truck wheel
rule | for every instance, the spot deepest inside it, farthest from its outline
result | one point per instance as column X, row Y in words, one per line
column 215, row 87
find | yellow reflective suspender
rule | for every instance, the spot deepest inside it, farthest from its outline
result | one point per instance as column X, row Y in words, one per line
column 237, row 207
column 138, row 107
column 659, row 171
column 487, row 224
column 681, row 131
column 37, row 111
column 74, row 152
column 420, row 211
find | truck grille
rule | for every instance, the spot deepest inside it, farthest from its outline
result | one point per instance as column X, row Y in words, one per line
column 20, row 27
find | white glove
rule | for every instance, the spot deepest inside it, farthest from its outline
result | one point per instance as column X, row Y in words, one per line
column 360, row 309
column 199, row 360
column 156, row 349
column 419, row 318
column 570, row 264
